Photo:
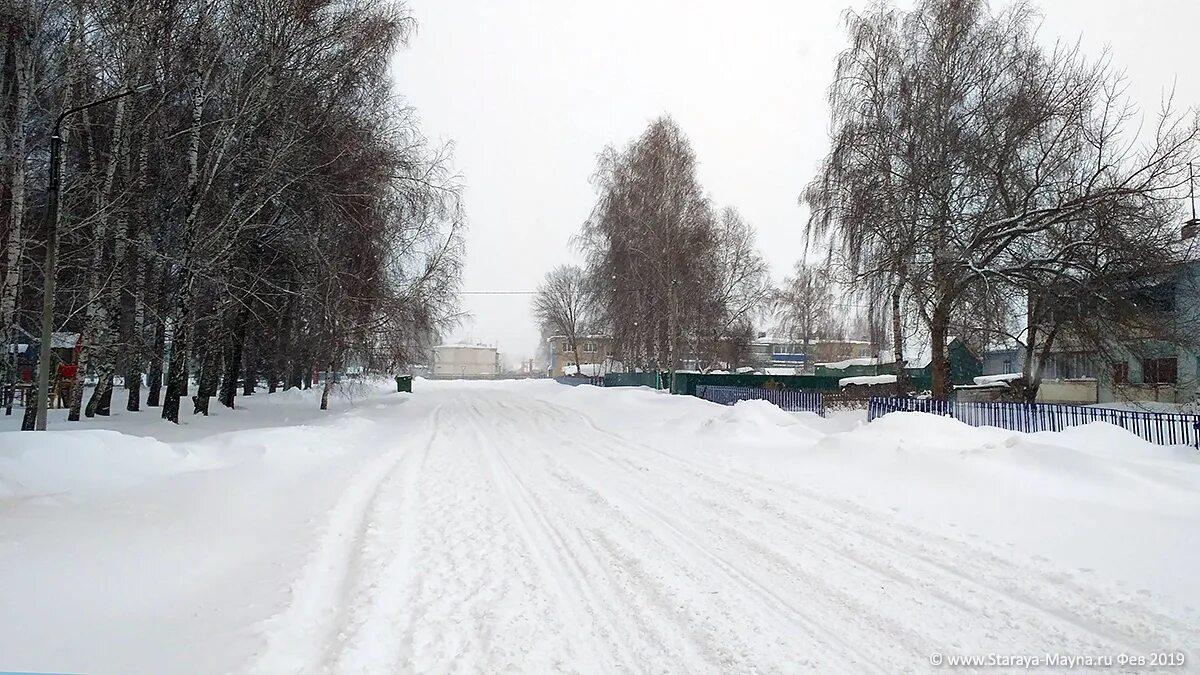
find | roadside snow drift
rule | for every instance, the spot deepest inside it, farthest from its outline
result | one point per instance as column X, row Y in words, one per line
column 533, row 527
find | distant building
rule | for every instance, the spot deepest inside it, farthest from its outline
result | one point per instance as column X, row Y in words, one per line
column 782, row 353
column 594, row 352
column 963, row 365
column 469, row 361
column 1135, row 369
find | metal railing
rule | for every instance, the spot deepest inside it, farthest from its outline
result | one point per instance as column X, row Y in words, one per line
column 788, row 399
column 1155, row 427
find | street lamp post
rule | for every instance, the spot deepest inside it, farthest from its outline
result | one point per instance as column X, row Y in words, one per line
column 43, row 385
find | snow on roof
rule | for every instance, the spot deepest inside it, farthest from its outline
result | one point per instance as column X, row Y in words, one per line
column 780, row 371
column 993, row 379
column 849, row 363
column 1188, row 250
column 552, row 338
column 985, row 385
column 779, row 340
column 868, row 380
column 463, row 346
column 589, row 369
column 58, row 340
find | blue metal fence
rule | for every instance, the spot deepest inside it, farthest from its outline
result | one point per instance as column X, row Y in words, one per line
column 787, row 399
column 1155, row 427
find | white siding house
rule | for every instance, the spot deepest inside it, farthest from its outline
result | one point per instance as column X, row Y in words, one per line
column 465, row 361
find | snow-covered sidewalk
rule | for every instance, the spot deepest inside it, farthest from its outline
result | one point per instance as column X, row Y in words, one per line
column 532, row 527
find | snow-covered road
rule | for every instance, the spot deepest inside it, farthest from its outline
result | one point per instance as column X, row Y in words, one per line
column 528, row 527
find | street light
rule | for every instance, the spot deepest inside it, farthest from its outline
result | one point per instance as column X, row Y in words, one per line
column 43, row 393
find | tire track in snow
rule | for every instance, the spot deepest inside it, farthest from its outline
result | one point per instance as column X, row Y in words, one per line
column 562, row 569
column 298, row 637
column 689, row 545
column 1057, row 600
column 380, row 608
column 674, row 629
column 479, row 602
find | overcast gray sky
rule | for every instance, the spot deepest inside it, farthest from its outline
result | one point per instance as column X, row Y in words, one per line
column 530, row 91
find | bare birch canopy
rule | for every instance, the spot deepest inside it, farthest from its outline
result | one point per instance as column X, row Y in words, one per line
column 970, row 166
column 269, row 208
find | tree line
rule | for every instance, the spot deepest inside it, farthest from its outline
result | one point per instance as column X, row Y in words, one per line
column 268, row 208
column 979, row 182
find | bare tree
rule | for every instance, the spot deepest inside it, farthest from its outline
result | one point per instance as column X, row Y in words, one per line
column 965, row 153
column 561, row 306
column 670, row 276
column 804, row 303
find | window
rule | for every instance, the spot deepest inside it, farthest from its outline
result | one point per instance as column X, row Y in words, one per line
column 589, row 347
column 1160, row 371
column 1160, row 298
column 1120, row 373
column 566, row 347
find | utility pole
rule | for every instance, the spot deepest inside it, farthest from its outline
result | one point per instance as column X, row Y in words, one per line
column 43, row 385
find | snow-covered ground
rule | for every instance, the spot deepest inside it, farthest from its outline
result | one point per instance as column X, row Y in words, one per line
column 531, row 527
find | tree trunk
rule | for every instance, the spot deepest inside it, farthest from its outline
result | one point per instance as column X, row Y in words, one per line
column 15, row 242
column 249, row 374
column 671, row 336
column 177, row 368
column 139, row 274
column 97, row 331
column 898, row 342
column 328, row 386
column 210, row 366
column 133, row 374
column 939, row 325
column 154, row 377
column 233, row 356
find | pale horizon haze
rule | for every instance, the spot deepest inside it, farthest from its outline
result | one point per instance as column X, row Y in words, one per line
column 529, row 92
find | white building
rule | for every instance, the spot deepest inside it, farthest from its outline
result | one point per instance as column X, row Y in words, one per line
column 465, row 361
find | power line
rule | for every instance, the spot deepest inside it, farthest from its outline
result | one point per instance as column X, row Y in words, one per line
column 843, row 305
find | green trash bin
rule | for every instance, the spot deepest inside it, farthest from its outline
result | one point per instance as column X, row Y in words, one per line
column 404, row 383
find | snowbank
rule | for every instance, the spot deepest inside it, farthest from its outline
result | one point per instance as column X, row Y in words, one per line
column 84, row 462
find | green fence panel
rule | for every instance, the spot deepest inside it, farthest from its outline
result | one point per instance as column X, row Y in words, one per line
column 651, row 380
column 686, row 383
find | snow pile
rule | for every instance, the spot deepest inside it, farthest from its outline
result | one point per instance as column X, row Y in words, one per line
column 868, row 380
column 754, row 417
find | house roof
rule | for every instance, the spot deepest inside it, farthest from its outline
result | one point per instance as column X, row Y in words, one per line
column 919, row 355
column 58, row 340
column 552, row 338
